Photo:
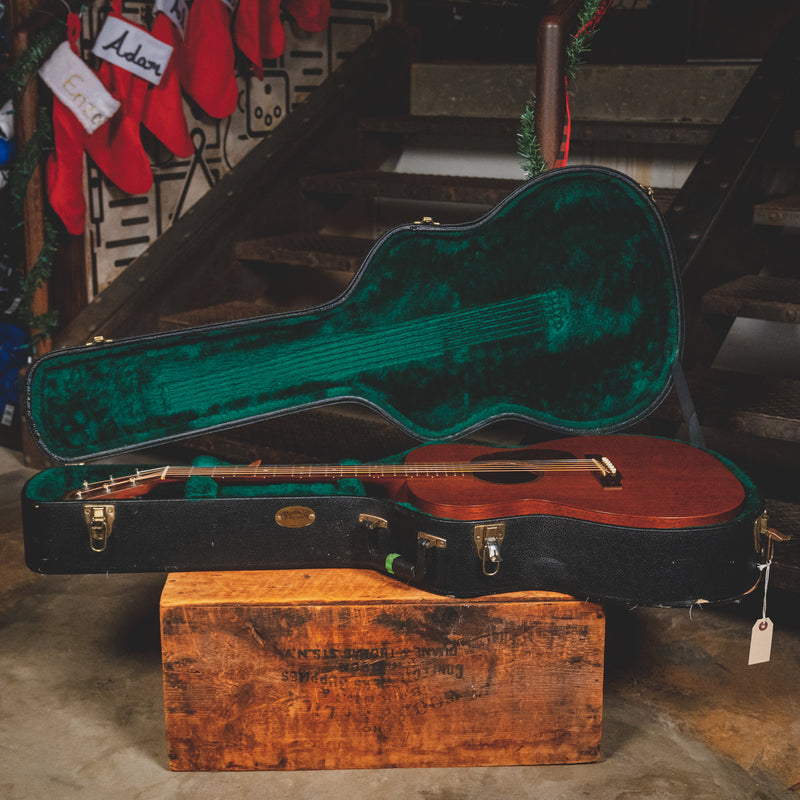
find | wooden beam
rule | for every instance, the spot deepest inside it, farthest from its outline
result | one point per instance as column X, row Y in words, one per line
column 25, row 122
column 551, row 51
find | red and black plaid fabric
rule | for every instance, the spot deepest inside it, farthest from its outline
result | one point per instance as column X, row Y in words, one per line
column 587, row 27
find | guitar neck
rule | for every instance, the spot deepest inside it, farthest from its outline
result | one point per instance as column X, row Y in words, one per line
column 143, row 481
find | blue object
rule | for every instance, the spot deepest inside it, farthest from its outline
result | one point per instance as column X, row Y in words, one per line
column 13, row 354
column 6, row 152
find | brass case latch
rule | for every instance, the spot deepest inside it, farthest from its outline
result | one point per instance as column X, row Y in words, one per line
column 488, row 539
column 99, row 521
column 765, row 537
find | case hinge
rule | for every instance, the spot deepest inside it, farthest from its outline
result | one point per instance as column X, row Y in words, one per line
column 429, row 540
column 488, row 539
column 372, row 521
column 99, row 521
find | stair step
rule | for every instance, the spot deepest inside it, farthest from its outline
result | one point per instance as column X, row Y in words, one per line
column 431, row 125
column 781, row 211
column 663, row 197
column 342, row 253
column 409, row 186
column 740, row 403
column 213, row 315
column 504, row 128
column 704, row 214
column 684, row 133
column 650, row 92
column 757, row 297
column 785, row 517
column 429, row 188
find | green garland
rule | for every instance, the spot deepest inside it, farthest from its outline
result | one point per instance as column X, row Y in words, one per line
column 41, row 324
column 578, row 47
column 527, row 145
column 28, row 158
column 20, row 72
column 27, row 64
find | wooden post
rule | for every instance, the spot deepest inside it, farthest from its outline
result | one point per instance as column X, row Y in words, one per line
column 67, row 290
column 25, row 121
column 551, row 50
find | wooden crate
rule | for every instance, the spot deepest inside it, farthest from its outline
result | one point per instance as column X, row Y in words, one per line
column 333, row 669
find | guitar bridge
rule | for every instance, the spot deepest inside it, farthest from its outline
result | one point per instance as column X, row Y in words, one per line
column 608, row 475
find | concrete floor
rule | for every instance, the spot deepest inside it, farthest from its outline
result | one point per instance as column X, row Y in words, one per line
column 81, row 711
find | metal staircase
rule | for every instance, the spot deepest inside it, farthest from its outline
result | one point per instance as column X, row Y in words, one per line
column 734, row 223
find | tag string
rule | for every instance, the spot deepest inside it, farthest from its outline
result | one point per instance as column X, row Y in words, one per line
column 765, row 569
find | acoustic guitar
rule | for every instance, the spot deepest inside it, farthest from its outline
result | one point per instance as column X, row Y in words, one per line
column 631, row 481
column 637, row 519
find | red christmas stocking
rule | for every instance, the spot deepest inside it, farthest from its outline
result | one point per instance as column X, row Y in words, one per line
column 206, row 60
column 116, row 147
column 273, row 38
column 163, row 113
column 64, row 171
column 246, row 33
column 310, row 15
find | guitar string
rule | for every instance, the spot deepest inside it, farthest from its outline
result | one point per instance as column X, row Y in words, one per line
column 289, row 469
column 337, row 471
column 399, row 470
column 280, row 469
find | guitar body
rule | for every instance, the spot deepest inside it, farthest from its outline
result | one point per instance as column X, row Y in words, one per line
column 665, row 484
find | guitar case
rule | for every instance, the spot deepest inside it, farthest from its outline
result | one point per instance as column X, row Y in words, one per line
column 561, row 307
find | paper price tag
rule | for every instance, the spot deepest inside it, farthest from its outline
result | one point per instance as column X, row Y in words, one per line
column 176, row 10
column 760, row 641
column 127, row 46
column 78, row 88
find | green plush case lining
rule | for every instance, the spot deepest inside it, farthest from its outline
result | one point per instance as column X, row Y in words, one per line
column 561, row 306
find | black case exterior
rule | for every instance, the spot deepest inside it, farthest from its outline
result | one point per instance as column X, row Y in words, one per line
column 642, row 566
column 599, row 562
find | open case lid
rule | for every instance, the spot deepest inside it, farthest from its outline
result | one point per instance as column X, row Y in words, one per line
column 561, row 306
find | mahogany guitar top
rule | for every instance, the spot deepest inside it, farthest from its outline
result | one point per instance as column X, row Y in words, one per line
column 664, row 484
